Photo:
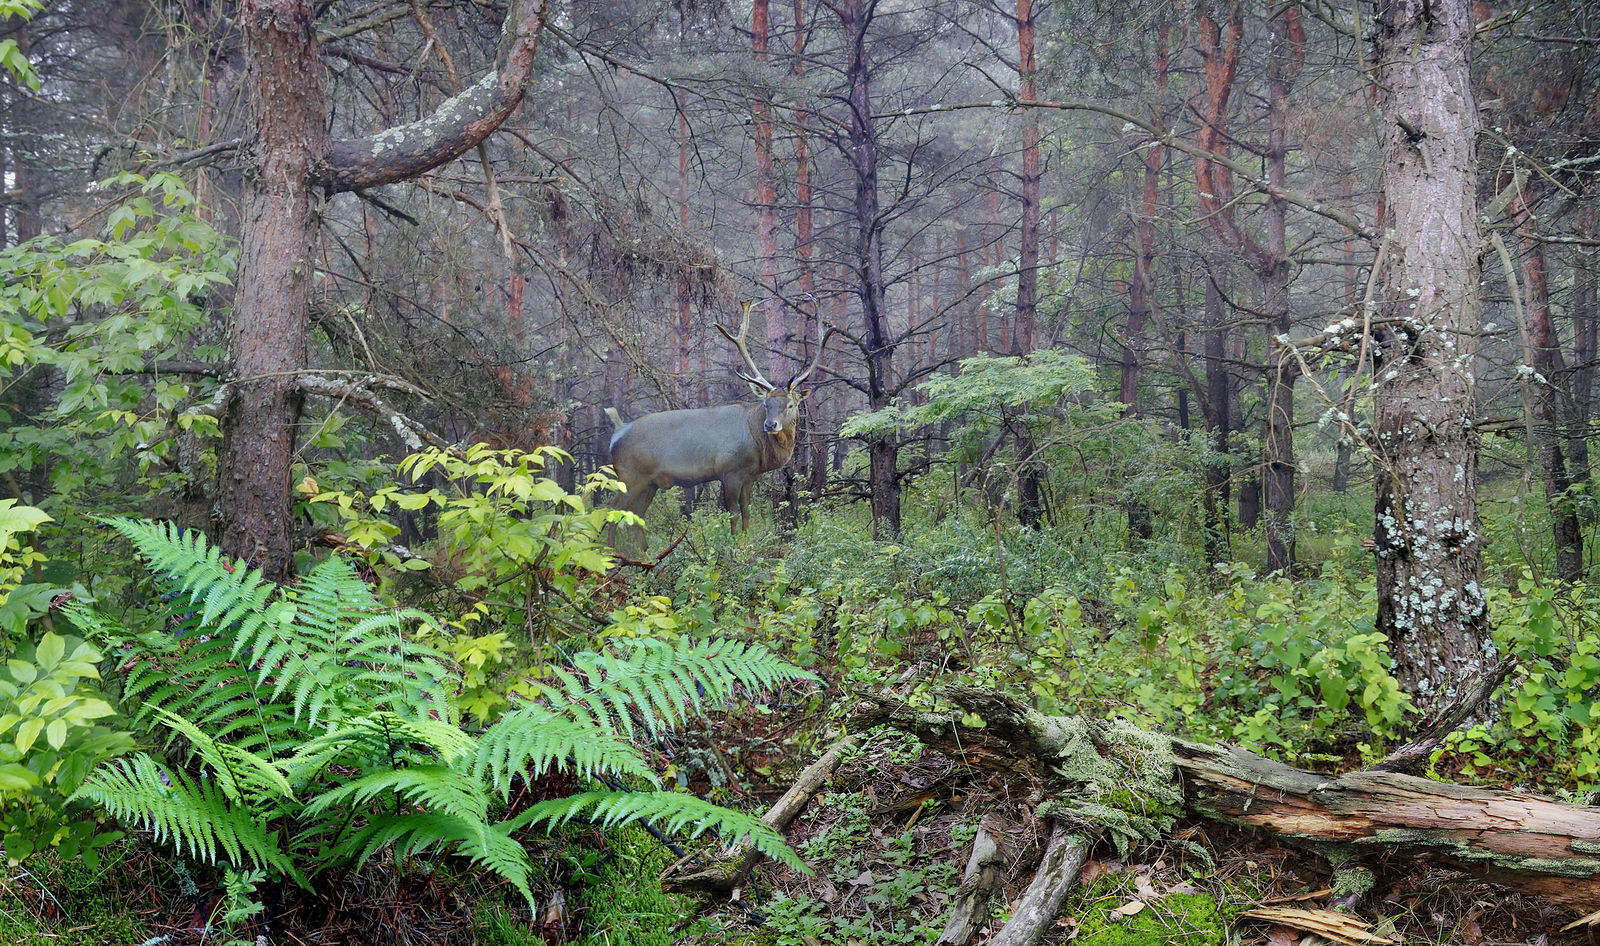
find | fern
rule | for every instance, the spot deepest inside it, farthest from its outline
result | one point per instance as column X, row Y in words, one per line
column 304, row 730
column 659, row 683
column 195, row 816
column 672, row 810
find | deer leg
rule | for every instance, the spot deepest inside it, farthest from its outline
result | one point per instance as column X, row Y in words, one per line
column 636, row 500
column 732, row 493
column 744, row 502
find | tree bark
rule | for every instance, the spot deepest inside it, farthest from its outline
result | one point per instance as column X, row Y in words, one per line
column 1550, row 413
column 1035, row 915
column 282, row 212
column 1584, row 351
column 883, row 449
column 291, row 167
column 1276, row 273
column 1030, row 474
column 983, row 877
column 1427, row 538
column 1218, row 417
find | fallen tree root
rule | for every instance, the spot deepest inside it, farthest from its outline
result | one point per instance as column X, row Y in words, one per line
column 983, row 878
column 1532, row 844
column 730, row 869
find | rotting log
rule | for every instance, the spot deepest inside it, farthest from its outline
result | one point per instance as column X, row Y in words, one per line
column 1528, row 843
column 1035, row 913
column 982, row 879
column 728, row 871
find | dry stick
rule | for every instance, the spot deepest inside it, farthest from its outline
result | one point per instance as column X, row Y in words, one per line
column 986, row 871
column 728, row 872
column 1058, row 871
column 1446, row 721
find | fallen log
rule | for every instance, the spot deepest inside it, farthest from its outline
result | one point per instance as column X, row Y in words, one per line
column 1532, row 844
column 1035, row 914
column 983, row 878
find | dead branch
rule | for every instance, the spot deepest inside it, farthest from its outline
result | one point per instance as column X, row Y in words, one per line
column 1035, row 915
column 732, row 868
column 985, row 873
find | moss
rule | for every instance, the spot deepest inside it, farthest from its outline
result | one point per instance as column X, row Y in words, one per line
column 1189, row 919
column 1122, row 774
column 81, row 900
column 1352, row 882
column 624, row 905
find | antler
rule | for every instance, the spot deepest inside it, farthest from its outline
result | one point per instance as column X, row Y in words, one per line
column 822, row 342
column 755, row 376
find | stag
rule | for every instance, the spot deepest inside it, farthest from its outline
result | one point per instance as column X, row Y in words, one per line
column 731, row 443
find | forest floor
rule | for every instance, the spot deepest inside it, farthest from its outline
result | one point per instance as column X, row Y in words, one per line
column 888, row 838
column 890, row 834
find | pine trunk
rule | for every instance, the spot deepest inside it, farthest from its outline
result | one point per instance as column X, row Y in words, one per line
column 1427, row 537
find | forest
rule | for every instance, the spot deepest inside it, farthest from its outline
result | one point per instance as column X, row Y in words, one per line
column 805, row 473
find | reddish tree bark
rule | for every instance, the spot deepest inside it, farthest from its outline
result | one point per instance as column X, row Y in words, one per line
column 1549, row 410
column 1270, row 260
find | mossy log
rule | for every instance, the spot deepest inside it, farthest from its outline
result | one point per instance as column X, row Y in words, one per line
column 1531, row 844
column 984, row 877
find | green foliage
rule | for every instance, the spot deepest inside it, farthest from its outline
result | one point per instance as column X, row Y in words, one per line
column 11, row 58
column 51, row 713
column 901, row 881
column 305, row 731
column 1548, row 728
column 1282, row 665
column 990, row 390
column 104, row 314
column 623, row 904
column 517, row 548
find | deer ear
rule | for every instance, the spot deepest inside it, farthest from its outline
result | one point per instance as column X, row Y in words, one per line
column 801, row 395
column 757, row 388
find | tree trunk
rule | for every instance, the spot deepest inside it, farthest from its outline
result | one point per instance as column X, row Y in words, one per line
column 1218, row 416
column 1022, row 337
column 291, row 167
column 1584, row 350
column 1030, row 474
column 1549, row 425
column 883, row 449
column 288, row 135
column 1276, row 273
column 1427, row 538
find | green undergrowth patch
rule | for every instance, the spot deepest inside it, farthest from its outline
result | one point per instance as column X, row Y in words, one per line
column 622, row 900
column 1190, row 919
column 48, row 900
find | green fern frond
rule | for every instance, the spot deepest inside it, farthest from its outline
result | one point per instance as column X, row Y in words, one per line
column 437, row 788
column 533, row 740
column 414, row 833
column 671, row 811
column 238, row 774
column 193, row 816
column 381, row 737
column 658, row 682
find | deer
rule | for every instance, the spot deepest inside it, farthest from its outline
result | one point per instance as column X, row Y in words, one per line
column 731, row 443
